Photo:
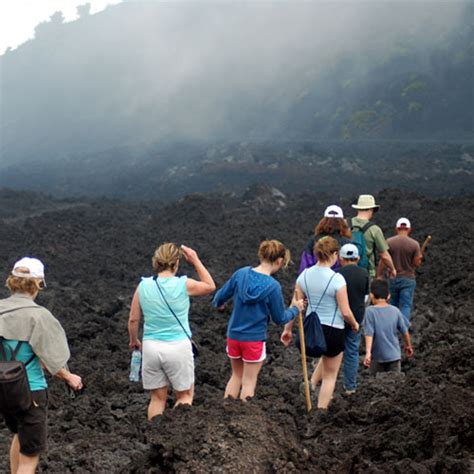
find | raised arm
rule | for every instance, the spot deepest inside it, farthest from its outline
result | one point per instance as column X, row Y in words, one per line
column 205, row 285
column 343, row 303
column 134, row 322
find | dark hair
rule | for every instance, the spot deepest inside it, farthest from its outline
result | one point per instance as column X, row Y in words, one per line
column 325, row 247
column 333, row 225
column 379, row 288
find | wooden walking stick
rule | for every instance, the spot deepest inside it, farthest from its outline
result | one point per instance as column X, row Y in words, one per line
column 303, row 360
column 425, row 244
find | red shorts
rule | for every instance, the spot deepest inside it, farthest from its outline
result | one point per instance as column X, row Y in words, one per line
column 248, row 351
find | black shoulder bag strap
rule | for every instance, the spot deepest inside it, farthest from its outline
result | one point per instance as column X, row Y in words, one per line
column 17, row 348
column 322, row 296
column 172, row 312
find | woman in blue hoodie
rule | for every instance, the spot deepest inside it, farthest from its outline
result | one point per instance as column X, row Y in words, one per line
column 256, row 297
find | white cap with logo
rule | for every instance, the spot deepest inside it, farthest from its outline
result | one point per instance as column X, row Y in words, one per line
column 349, row 251
column 28, row 267
column 333, row 211
column 403, row 223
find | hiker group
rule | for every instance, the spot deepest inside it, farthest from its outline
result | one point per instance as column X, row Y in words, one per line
column 338, row 277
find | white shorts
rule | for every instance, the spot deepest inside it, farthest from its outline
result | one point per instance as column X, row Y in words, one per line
column 167, row 363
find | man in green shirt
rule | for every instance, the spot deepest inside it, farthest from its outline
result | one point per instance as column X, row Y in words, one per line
column 374, row 238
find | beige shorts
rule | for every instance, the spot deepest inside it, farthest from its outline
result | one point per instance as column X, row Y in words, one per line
column 167, row 363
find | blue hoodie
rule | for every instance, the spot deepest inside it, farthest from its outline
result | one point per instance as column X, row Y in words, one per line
column 256, row 296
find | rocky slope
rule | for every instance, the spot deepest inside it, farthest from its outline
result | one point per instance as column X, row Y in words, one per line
column 96, row 252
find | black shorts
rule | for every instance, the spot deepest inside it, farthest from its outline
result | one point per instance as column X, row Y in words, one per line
column 334, row 340
column 31, row 425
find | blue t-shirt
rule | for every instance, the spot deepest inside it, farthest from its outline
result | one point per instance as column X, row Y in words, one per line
column 313, row 282
column 383, row 323
column 159, row 322
column 34, row 370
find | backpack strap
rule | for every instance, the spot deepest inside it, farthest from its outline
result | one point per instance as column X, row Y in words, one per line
column 366, row 227
column 14, row 352
column 17, row 348
column 2, row 349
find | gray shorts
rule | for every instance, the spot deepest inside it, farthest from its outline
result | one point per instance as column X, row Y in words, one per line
column 167, row 363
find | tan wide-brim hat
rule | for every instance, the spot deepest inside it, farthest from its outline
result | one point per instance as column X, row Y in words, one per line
column 365, row 201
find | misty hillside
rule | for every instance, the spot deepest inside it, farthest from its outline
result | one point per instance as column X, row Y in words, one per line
column 142, row 72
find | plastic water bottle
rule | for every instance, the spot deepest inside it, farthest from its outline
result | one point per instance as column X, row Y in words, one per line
column 135, row 365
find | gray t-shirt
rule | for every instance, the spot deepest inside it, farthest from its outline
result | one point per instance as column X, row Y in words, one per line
column 383, row 323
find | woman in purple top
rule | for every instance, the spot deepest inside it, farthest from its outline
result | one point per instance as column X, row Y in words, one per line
column 333, row 225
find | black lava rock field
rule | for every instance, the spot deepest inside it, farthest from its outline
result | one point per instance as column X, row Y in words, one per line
column 97, row 250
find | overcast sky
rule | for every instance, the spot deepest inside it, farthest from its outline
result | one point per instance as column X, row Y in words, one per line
column 18, row 18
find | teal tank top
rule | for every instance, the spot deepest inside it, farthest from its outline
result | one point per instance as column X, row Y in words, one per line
column 34, row 370
column 159, row 322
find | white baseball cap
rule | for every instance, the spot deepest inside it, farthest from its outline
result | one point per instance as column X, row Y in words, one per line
column 28, row 267
column 333, row 211
column 349, row 251
column 403, row 223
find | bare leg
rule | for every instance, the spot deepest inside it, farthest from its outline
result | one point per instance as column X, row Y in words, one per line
column 157, row 402
column 27, row 464
column 235, row 382
column 331, row 367
column 249, row 379
column 317, row 374
column 14, row 454
column 184, row 397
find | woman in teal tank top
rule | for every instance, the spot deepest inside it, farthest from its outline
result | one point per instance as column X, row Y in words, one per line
column 163, row 301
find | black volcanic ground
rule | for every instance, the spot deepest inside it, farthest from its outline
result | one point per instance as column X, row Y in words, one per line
column 167, row 171
column 96, row 252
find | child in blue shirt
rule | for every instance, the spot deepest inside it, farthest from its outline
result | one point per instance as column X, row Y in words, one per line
column 382, row 324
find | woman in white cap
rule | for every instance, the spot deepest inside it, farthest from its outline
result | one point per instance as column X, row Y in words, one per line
column 333, row 225
column 29, row 333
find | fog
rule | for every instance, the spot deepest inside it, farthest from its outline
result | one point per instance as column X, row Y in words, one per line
column 142, row 72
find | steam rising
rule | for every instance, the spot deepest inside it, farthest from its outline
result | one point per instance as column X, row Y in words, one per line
column 141, row 72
